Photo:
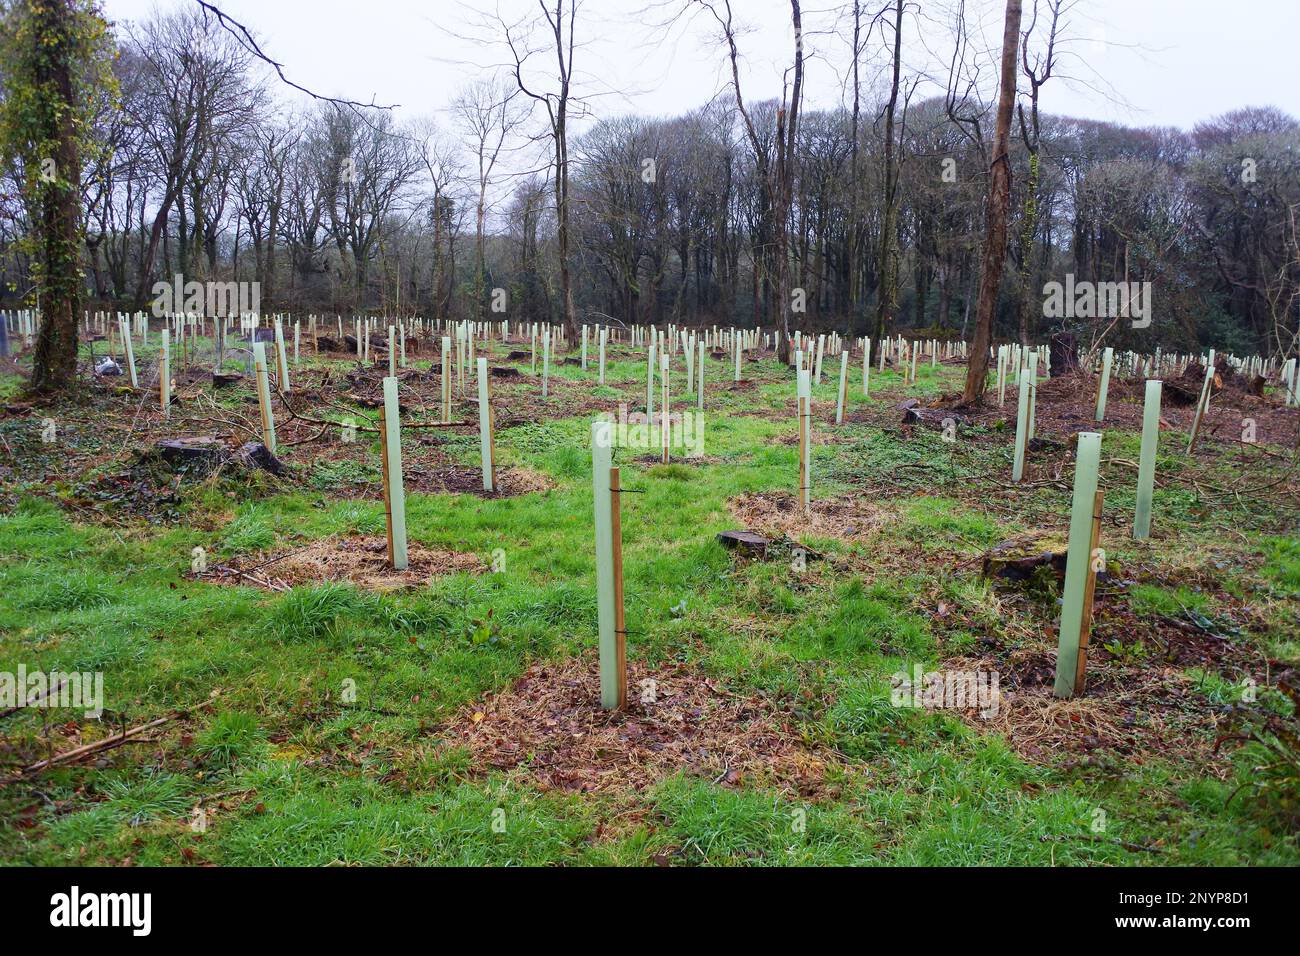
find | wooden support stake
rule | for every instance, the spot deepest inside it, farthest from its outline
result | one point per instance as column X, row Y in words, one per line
column 1090, row 589
column 1201, row 407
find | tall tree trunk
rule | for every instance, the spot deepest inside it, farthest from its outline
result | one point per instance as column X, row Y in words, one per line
column 855, row 186
column 789, row 125
column 995, row 235
column 1028, row 230
column 887, row 303
column 55, row 362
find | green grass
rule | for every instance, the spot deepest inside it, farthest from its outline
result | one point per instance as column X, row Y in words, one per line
column 313, row 735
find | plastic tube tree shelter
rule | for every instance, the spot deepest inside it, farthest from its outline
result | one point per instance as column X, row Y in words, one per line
column 1002, row 375
column 665, row 423
column 1022, row 421
column 1147, row 461
column 546, row 361
column 1107, row 357
column 1078, row 566
column 390, row 437
column 165, row 375
column 650, row 379
column 804, row 391
column 281, row 359
column 487, row 445
column 609, row 569
column 842, row 393
column 264, row 396
column 699, row 376
column 866, row 368
column 446, row 378
column 688, row 353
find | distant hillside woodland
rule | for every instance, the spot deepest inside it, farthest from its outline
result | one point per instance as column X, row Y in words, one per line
column 195, row 165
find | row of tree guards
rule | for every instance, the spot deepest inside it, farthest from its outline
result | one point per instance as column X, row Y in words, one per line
column 1085, row 557
column 1016, row 366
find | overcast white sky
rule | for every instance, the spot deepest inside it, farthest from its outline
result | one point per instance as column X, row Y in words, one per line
column 1174, row 62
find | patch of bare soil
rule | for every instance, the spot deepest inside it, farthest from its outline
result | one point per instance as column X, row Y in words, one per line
column 362, row 561
column 1067, row 404
column 774, row 514
column 550, row 726
column 466, row 480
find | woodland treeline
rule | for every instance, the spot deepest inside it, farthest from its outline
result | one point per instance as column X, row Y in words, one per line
column 207, row 170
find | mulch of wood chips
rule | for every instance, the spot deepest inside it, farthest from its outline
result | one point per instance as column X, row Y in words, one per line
column 1134, row 712
column 360, row 560
column 777, row 514
column 549, row 726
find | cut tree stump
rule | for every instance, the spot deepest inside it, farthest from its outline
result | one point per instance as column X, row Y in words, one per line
column 504, row 371
column 745, row 542
column 1186, row 388
column 208, row 453
column 224, row 379
column 203, row 451
column 1063, row 348
column 933, row 417
column 254, row 454
column 1019, row 558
